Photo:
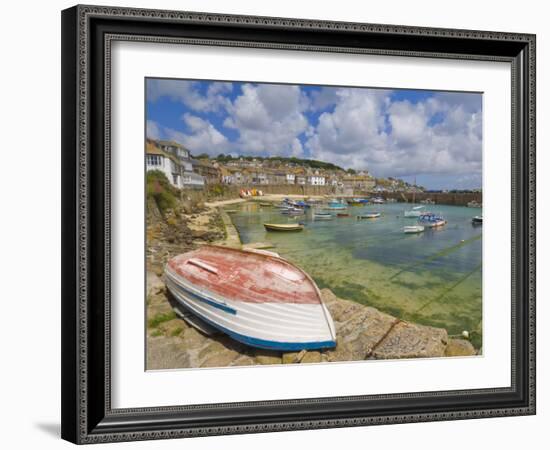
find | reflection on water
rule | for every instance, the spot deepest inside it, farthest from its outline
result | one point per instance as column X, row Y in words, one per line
column 433, row 278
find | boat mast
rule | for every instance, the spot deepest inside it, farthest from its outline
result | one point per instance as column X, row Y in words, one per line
column 414, row 191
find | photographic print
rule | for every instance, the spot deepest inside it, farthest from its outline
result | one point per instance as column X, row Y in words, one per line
column 297, row 224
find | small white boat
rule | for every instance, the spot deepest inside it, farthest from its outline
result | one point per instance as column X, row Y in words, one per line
column 370, row 215
column 255, row 298
column 296, row 212
column 473, row 204
column 477, row 220
column 411, row 229
column 414, row 212
column 322, row 216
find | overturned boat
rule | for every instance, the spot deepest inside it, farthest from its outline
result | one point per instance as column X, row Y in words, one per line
column 258, row 299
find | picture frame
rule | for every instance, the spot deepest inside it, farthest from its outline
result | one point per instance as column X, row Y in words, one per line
column 87, row 35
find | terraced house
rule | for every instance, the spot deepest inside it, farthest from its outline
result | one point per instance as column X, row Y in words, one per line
column 174, row 161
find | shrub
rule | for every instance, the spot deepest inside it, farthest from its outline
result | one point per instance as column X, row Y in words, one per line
column 160, row 189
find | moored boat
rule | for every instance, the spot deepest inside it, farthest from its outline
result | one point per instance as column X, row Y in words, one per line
column 343, row 215
column 414, row 212
column 258, row 299
column 431, row 220
column 283, row 226
column 296, row 212
column 370, row 215
column 337, row 205
column 322, row 216
column 477, row 220
column 410, row 229
column 377, row 200
column 473, row 204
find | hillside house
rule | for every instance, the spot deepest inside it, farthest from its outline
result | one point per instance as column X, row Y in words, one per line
column 178, row 173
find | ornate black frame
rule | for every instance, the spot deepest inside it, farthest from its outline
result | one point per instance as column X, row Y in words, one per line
column 87, row 32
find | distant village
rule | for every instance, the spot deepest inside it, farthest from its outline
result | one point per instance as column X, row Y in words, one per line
column 185, row 171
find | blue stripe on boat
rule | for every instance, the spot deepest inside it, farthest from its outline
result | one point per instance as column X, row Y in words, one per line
column 255, row 342
column 221, row 306
column 271, row 345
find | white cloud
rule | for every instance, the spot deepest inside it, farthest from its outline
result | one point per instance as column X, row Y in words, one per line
column 188, row 93
column 269, row 119
column 440, row 135
column 152, row 130
column 203, row 136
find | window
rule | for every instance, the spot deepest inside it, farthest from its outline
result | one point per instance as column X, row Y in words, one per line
column 154, row 160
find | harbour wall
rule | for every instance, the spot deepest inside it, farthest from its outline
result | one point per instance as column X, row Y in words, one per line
column 219, row 192
column 440, row 198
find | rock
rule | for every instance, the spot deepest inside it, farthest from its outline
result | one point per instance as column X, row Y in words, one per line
column 311, row 357
column 173, row 327
column 408, row 340
column 154, row 284
column 460, row 347
column 293, row 357
column 166, row 353
column 221, row 359
column 268, row 357
column 193, row 339
column 243, row 360
column 342, row 352
column 290, row 358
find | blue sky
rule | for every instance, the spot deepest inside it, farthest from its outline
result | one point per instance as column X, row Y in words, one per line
column 431, row 135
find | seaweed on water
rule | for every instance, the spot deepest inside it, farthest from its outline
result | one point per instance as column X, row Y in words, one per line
column 439, row 254
column 449, row 288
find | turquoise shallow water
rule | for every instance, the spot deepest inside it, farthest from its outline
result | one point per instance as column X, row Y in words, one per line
column 433, row 278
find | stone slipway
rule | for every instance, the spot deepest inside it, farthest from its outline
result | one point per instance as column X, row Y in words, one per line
column 362, row 332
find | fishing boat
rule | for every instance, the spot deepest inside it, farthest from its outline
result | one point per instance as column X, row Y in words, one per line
column 370, row 215
column 322, row 216
column 296, row 212
column 301, row 204
column 283, row 226
column 356, row 202
column 266, row 204
column 343, row 215
column 337, row 205
column 410, row 229
column 431, row 220
column 477, row 220
column 257, row 299
column 414, row 212
column 292, row 211
column 377, row 200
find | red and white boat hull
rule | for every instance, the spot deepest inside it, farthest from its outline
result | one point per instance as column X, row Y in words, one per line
column 260, row 300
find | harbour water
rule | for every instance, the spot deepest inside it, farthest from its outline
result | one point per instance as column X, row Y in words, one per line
column 432, row 278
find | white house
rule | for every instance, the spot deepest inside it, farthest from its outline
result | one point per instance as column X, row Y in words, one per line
column 316, row 180
column 192, row 180
column 156, row 159
column 290, row 178
column 179, row 173
column 173, row 148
